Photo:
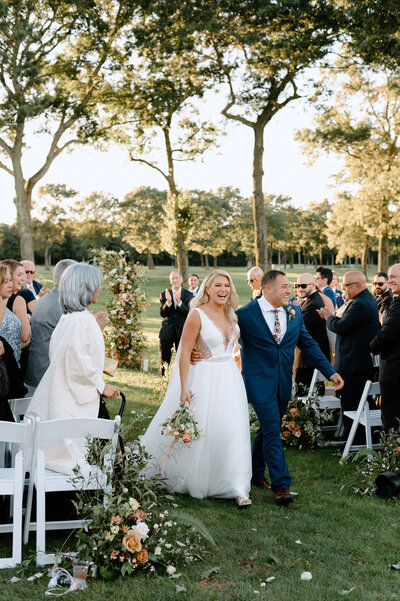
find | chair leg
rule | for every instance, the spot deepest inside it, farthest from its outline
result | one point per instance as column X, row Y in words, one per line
column 350, row 438
column 368, row 433
column 40, row 510
column 17, row 511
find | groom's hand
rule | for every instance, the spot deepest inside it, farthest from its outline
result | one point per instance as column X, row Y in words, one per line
column 195, row 357
column 338, row 381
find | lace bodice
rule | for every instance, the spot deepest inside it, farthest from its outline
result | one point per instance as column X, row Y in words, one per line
column 211, row 340
column 10, row 329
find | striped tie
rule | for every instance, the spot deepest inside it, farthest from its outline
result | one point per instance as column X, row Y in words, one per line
column 277, row 327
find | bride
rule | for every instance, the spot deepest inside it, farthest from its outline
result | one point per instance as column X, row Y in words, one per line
column 219, row 464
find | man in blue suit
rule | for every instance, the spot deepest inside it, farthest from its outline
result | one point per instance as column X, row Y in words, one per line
column 270, row 331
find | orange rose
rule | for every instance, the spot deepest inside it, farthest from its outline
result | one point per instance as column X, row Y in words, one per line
column 125, row 529
column 186, row 438
column 142, row 556
column 116, row 519
column 397, row 449
column 114, row 554
column 292, row 426
column 141, row 515
column 294, row 412
column 131, row 541
column 285, row 435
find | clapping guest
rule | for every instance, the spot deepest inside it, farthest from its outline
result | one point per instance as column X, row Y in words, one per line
column 194, row 283
column 73, row 382
column 15, row 322
column 30, row 283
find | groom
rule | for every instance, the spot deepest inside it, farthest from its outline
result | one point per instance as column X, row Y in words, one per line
column 270, row 331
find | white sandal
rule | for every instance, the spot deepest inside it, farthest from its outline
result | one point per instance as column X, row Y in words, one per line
column 242, row 502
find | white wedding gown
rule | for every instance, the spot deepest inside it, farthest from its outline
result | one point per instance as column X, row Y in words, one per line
column 219, row 464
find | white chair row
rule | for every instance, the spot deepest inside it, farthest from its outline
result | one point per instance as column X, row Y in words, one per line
column 326, row 401
column 364, row 416
column 30, row 437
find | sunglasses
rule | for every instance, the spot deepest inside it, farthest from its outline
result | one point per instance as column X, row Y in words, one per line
column 27, row 271
column 301, row 286
column 251, row 280
column 378, row 283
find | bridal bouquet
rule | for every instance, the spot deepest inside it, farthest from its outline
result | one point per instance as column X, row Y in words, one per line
column 182, row 425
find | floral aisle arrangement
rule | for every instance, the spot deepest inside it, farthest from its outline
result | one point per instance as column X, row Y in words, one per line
column 372, row 463
column 123, row 336
column 301, row 424
column 139, row 527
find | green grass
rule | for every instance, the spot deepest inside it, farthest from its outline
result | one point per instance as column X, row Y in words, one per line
column 347, row 540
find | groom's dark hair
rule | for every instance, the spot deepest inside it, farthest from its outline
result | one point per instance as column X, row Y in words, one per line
column 270, row 276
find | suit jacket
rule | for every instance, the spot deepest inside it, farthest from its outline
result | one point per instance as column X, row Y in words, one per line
column 174, row 317
column 315, row 326
column 387, row 343
column 266, row 365
column 383, row 300
column 339, row 298
column 45, row 317
column 355, row 330
column 330, row 294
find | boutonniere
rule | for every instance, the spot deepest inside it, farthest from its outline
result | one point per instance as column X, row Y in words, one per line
column 291, row 312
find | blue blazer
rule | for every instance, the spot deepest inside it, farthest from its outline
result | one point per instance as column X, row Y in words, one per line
column 266, row 365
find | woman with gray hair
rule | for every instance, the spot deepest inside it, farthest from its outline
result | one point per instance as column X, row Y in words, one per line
column 73, row 382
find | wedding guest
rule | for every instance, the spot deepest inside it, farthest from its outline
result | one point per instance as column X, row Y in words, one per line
column 45, row 317
column 354, row 330
column 14, row 326
column 386, row 343
column 381, row 293
column 174, row 308
column 194, row 283
column 31, row 284
column 254, row 277
column 11, row 384
column 73, row 382
column 335, row 287
column 310, row 300
column 323, row 279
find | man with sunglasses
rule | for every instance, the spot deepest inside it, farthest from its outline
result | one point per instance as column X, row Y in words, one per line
column 31, row 284
column 254, row 277
column 354, row 331
column 309, row 300
column 381, row 291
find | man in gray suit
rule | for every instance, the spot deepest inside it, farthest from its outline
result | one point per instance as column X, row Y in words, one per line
column 45, row 317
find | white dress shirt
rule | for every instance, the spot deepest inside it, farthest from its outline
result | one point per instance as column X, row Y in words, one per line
column 269, row 316
column 174, row 298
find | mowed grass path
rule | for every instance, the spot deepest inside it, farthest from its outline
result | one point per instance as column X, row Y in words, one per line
column 345, row 540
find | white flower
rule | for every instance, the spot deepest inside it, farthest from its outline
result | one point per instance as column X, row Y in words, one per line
column 171, row 570
column 134, row 504
column 114, row 529
column 142, row 529
column 157, row 551
column 168, row 545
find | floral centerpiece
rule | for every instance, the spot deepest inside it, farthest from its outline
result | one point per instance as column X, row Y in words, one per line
column 123, row 335
column 301, row 424
column 137, row 528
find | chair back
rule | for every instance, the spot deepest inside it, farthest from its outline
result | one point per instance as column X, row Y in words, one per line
column 15, row 433
column 19, row 407
column 76, row 427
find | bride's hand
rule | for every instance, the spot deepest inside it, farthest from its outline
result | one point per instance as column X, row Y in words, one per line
column 185, row 398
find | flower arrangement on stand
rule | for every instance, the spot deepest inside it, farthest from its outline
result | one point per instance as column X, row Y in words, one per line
column 138, row 528
column 301, row 424
column 123, row 335
column 372, row 463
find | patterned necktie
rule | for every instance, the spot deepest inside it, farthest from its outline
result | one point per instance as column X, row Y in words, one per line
column 277, row 327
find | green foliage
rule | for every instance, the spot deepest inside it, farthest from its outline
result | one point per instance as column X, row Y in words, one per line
column 372, row 463
column 124, row 337
column 301, row 425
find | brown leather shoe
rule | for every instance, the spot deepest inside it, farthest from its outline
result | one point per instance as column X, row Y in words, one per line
column 283, row 497
column 261, row 483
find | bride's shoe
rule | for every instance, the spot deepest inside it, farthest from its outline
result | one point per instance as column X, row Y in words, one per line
column 243, row 502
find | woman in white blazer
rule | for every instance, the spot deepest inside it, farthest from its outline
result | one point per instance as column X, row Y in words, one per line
column 73, row 382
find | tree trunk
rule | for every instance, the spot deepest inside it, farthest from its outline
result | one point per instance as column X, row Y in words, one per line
column 291, row 260
column 201, row 260
column 215, row 261
column 320, row 255
column 383, row 255
column 206, row 264
column 260, row 228
column 22, row 202
column 47, row 259
column 364, row 260
column 150, row 261
column 279, row 257
column 298, row 257
column 285, row 259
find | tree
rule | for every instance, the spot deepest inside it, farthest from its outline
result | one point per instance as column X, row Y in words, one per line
column 51, row 58
column 363, row 127
column 49, row 227
column 154, row 103
column 97, row 218
column 259, row 49
column 142, row 218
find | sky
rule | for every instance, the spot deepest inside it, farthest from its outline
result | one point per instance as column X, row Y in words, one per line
column 88, row 170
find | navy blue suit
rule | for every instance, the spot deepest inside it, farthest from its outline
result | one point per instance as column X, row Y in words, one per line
column 267, row 374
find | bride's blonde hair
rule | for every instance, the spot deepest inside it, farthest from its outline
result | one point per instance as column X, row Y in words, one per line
column 202, row 297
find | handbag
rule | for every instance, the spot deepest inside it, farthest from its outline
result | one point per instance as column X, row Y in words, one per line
column 110, row 366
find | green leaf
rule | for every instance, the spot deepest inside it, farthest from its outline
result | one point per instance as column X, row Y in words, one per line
column 197, row 524
column 207, row 573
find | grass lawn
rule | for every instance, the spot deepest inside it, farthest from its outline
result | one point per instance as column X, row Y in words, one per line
column 347, row 541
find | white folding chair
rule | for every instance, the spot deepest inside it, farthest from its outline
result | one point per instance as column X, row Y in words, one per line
column 364, row 416
column 46, row 480
column 12, row 481
column 19, row 407
column 326, row 401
